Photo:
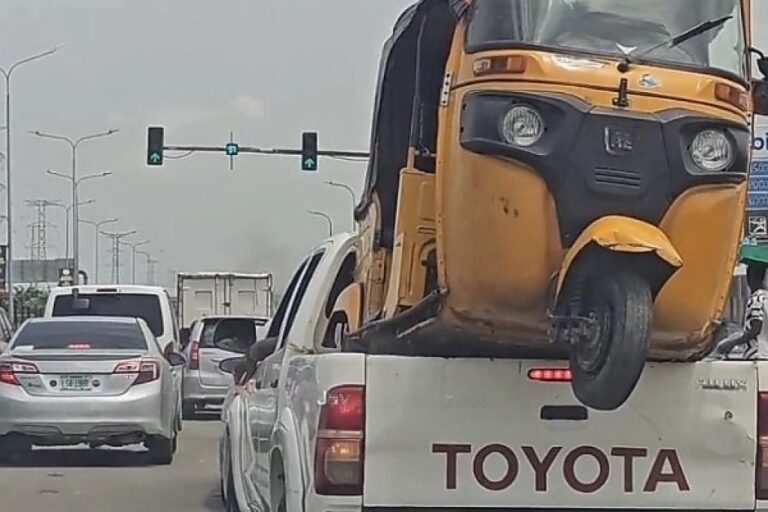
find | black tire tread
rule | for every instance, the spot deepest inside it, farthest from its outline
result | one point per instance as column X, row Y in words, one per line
column 632, row 302
column 161, row 451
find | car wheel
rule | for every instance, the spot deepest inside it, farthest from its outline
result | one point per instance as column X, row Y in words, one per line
column 13, row 448
column 607, row 362
column 231, row 497
column 188, row 410
column 160, row 450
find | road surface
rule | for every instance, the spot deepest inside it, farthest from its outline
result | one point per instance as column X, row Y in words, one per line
column 111, row 480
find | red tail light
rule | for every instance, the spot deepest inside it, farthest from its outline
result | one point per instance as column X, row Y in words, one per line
column 339, row 455
column 550, row 374
column 194, row 356
column 9, row 370
column 144, row 369
column 761, row 475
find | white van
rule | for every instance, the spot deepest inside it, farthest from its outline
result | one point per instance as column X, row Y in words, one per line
column 151, row 303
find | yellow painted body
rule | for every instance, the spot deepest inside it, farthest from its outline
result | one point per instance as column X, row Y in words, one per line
column 494, row 224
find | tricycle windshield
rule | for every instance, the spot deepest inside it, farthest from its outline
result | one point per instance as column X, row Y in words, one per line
column 616, row 28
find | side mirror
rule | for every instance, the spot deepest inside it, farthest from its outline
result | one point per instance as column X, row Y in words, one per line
column 229, row 365
column 760, row 96
column 176, row 359
column 762, row 65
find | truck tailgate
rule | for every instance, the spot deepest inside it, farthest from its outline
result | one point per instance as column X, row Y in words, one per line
column 483, row 433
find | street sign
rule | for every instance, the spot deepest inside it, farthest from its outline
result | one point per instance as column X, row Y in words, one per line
column 232, row 149
column 309, row 151
column 66, row 277
column 756, row 221
column 155, row 144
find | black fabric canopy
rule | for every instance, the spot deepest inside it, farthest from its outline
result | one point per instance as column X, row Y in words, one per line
column 394, row 100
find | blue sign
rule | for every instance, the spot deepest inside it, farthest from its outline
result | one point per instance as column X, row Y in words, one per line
column 759, row 168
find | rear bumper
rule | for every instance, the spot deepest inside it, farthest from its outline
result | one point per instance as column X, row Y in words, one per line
column 195, row 391
column 758, row 508
column 138, row 412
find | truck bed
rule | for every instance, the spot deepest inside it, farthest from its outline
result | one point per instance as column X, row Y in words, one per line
column 482, row 433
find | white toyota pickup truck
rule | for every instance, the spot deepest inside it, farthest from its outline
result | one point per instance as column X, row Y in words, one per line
column 318, row 429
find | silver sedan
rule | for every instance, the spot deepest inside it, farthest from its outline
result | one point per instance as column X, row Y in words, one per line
column 100, row 381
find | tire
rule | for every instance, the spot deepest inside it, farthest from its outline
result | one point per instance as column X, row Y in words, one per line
column 14, row 448
column 188, row 410
column 606, row 363
column 230, row 501
column 161, row 450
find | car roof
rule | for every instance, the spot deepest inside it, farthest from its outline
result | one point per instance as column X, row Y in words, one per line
column 85, row 319
column 111, row 289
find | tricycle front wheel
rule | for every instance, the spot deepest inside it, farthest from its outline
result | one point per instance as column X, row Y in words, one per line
column 608, row 357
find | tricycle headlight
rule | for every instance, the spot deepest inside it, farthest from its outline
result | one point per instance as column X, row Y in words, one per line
column 712, row 151
column 522, row 126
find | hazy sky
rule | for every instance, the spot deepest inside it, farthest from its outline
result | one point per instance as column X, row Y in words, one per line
column 264, row 69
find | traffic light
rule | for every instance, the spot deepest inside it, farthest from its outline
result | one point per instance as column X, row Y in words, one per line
column 309, row 151
column 232, row 149
column 155, row 143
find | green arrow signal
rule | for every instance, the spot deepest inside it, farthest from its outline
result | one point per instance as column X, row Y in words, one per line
column 155, row 158
column 310, row 164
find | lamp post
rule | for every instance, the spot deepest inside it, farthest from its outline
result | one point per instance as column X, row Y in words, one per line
column 134, row 246
column 326, row 217
column 67, row 210
column 97, row 232
column 117, row 239
column 351, row 193
column 7, row 73
column 74, row 144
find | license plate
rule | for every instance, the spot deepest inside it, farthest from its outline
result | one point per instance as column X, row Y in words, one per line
column 75, row 383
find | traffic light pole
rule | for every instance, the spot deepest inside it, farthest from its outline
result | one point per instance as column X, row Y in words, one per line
column 266, row 151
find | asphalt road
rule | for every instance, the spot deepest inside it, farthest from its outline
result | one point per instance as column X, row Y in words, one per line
column 112, row 480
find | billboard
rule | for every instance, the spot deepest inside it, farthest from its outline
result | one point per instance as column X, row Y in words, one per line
column 39, row 271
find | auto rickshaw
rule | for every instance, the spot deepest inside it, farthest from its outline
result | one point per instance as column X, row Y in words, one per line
column 557, row 178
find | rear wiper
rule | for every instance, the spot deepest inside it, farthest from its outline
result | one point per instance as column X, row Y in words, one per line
column 674, row 41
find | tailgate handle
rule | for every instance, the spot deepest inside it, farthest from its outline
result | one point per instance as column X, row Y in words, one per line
column 564, row 413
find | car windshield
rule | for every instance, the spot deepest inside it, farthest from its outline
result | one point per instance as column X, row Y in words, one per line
column 137, row 305
column 104, row 335
column 615, row 28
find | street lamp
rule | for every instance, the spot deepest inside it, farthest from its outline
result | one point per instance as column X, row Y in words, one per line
column 351, row 193
column 117, row 239
column 134, row 246
column 8, row 209
column 74, row 143
column 97, row 229
column 326, row 217
column 68, row 209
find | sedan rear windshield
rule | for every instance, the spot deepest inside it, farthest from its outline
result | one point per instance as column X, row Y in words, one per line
column 133, row 305
column 106, row 335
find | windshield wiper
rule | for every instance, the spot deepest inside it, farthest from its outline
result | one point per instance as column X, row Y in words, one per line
column 674, row 41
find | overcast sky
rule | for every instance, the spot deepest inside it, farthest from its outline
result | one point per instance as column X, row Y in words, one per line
column 264, row 69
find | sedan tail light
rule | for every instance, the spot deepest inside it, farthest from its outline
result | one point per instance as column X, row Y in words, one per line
column 10, row 369
column 145, row 370
column 339, row 456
